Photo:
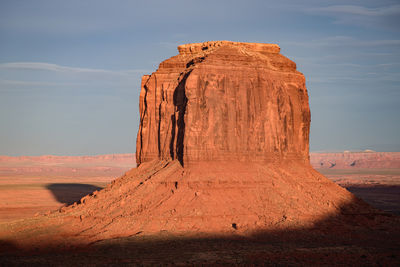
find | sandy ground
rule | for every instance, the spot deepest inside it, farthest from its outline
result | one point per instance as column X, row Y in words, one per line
column 24, row 200
column 34, row 185
column 378, row 187
column 31, row 185
column 24, row 195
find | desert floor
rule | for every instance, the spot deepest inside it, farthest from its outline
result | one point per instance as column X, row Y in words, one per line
column 378, row 187
column 24, row 195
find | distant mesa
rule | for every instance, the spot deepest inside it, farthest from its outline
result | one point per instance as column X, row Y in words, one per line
column 352, row 160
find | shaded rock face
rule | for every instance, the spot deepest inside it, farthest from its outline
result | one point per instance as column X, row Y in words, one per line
column 224, row 101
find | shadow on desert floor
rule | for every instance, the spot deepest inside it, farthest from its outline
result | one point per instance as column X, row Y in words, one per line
column 384, row 197
column 345, row 239
column 68, row 193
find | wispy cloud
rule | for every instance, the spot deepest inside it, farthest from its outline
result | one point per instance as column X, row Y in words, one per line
column 58, row 68
column 26, row 76
column 390, row 64
column 345, row 41
column 34, row 83
column 358, row 10
column 387, row 17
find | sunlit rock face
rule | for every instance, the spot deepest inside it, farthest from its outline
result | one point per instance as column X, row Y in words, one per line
column 224, row 101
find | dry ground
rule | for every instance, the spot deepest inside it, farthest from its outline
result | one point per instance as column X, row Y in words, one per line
column 23, row 196
column 378, row 187
column 31, row 185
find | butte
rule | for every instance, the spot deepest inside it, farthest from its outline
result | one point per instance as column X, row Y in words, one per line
column 222, row 148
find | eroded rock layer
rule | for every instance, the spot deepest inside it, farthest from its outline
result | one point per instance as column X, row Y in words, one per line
column 224, row 101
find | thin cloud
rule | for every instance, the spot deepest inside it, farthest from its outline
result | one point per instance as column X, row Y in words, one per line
column 390, row 64
column 385, row 17
column 58, row 68
column 350, row 41
column 358, row 10
column 370, row 77
column 345, row 41
column 25, row 76
column 34, row 83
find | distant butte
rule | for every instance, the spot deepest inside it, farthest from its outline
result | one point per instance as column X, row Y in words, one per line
column 222, row 148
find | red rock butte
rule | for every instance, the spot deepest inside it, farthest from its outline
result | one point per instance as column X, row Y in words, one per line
column 224, row 101
column 222, row 148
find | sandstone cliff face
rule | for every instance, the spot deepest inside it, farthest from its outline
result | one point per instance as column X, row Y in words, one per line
column 224, row 101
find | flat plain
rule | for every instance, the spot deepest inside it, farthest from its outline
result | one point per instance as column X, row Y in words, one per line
column 31, row 186
column 378, row 187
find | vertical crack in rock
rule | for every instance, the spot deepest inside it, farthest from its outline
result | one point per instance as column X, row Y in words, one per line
column 180, row 102
column 172, row 142
column 141, row 126
column 159, row 130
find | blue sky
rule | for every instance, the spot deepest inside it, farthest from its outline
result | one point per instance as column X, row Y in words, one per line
column 70, row 70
